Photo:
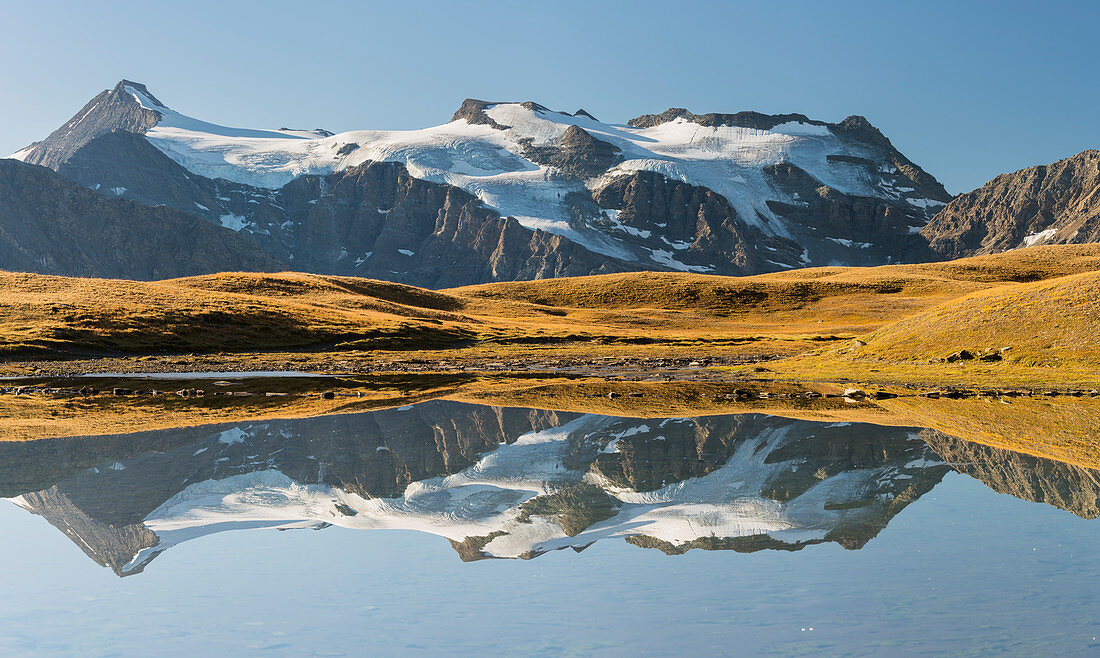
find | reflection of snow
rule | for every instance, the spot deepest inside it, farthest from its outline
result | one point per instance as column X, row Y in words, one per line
column 485, row 497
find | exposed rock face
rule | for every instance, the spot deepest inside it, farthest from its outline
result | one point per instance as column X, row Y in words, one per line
column 882, row 227
column 694, row 222
column 473, row 111
column 754, row 120
column 577, row 154
column 51, row 225
column 114, row 110
column 1047, row 204
column 125, row 165
column 376, row 220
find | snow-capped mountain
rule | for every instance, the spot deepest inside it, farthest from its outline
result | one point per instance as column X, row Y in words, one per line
column 516, row 190
column 497, row 483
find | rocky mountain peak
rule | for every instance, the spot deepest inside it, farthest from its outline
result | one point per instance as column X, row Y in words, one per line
column 1057, row 203
column 121, row 87
column 112, row 110
column 858, row 127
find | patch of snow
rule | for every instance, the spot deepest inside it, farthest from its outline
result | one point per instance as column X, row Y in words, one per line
column 405, row 252
column 925, row 203
column 21, row 154
column 1041, row 236
column 666, row 258
column 679, row 245
column 800, row 128
column 850, row 243
column 234, row 222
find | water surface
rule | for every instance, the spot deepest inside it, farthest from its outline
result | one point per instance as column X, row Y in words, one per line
column 451, row 528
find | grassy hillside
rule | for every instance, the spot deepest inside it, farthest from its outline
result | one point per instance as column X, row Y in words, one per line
column 907, row 314
column 1052, row 323
column 1033, row 334
column 224, row 312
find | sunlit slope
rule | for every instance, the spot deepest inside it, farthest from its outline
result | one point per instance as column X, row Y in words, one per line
column 1035, row 334
column 227, row 312
column 1049, row 323
column 234, row 312
column 824, row 299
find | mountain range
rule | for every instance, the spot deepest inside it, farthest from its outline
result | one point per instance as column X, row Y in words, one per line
column 508, row 191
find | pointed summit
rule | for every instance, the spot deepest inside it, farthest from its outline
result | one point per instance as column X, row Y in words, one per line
column 128, row 107
column 138, row 89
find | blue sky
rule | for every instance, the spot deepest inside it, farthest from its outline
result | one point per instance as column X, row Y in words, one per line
column 965, row 89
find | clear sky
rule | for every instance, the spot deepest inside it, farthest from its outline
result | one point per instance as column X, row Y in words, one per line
column 965, row 89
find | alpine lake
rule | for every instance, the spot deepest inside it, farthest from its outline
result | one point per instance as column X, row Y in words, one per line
column 583, row 517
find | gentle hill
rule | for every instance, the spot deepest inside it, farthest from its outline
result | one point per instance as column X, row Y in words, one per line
column 639, row 314
column 781, row 289
column 223, row 312
column 838, row 299
column 1049, row 323
column 1038, row 334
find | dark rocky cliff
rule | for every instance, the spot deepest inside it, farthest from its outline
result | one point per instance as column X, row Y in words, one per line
column 51, row 225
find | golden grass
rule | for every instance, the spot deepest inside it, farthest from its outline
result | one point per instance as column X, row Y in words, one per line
column 1046, row 333
column 911, row 312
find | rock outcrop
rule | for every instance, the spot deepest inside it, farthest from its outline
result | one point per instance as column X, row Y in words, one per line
column 1048, row 204
column 113, row 110
column 698, row 225
column 51, row 225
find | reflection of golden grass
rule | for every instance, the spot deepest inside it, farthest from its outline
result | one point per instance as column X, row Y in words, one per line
column 29, row 417
column 1063, row 429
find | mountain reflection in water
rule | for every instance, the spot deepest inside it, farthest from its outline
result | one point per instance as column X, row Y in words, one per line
column 510, row 483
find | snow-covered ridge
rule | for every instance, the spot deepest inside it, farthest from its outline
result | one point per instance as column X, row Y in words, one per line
column 489, row 162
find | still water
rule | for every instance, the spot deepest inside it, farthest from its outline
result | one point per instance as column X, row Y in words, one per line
column 447, row 528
